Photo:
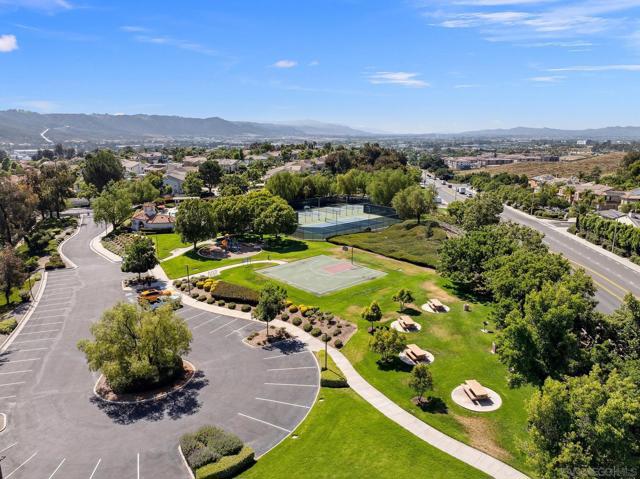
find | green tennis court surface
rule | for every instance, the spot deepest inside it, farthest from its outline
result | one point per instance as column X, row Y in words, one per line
column 321, row 274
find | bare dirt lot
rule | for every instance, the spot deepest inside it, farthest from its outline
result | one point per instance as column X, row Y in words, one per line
column 608, row 164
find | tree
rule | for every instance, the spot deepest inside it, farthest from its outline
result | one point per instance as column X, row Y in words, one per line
column 285, row 184
column 414, row 201
column 232, row 214
column 137, row 349
column 57, row 186
column 101, row 168
column 142, row 191
column 193, row 184
column 210, row 171
column 233, row 185
column 17, row 203
column 582, row 426
column 421, row 380
column 277, row 219
column 139, row 256
column 384, row 185
column 195, row 221
column 12, row 272
column 113, row 205
column 483, row 210
column 388, row 343
column 271, row 303
column 402, row 297
column 372, row 313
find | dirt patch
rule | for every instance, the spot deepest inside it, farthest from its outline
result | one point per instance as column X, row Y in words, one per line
column 434, row 291
column 441, row 332
column 104, row 391
column 482, row 436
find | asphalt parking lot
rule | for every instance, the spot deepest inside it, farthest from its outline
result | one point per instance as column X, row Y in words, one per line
column 58, row 429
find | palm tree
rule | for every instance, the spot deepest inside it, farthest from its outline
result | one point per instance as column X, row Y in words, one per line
column 569, row 191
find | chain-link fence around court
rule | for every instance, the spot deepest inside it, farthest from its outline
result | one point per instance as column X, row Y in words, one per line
column 338, row 219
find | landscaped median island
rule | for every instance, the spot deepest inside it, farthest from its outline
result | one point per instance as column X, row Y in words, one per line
column 212, row 453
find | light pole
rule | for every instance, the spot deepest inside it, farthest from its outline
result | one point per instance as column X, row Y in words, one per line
column 188, row 282
column 613, row 244
column 1, row 459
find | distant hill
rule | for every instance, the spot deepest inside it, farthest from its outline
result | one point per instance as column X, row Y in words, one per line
column 19, row 126
column 607, row 133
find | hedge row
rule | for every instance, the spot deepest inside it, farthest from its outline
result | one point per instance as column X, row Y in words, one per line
column 7, row 325
column 235, row 293
column 54, row 262
column 227, row 466
column 626, row 237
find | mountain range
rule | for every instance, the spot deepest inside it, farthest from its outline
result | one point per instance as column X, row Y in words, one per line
column 25, row 127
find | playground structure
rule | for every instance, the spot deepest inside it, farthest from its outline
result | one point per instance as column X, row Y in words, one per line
column 337, row 219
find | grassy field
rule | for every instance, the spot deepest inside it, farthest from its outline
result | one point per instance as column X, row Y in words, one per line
column 461, row 350
column 345, row 437
column 607, row 163
column 166, row 243
column 405, row 241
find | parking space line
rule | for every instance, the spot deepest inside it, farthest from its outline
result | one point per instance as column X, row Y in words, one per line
column 12, row 384
column 44, row 305
column 17, row 372
column 95, row 468
column 286, row 355
column 206, row 322
column 7, row 397
column 59, row 466
column 220, row 327
column 49, row 317
column 291, row 369
column 32, row 340
column 43, row 324
column 285, row 403
column 29, row 350
column 238, row 330
column 40, row 332
column 264, row 422
column 8, row 447
column 16, row 469
column 21, row 360
column 138, row 465
column 195, row 315
column 297, row 385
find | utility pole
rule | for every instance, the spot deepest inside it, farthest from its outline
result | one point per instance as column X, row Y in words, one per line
column 188, row 282
column 1, row 459
column 613, row 245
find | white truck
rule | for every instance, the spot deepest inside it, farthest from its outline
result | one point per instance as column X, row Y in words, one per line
column 462, row 190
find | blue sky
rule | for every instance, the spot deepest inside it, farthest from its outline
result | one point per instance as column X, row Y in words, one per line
column 395, row 65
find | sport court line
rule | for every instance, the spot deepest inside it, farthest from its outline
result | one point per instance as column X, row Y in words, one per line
column 263, row 422
column 220, row 327
column 288, row 384
column 59, row 466
column 95, row 468
column 206, row 322
column 286, row 355
column 285, row 403
column 16, row 469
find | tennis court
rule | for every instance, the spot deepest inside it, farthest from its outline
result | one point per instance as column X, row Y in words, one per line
column 321, row 274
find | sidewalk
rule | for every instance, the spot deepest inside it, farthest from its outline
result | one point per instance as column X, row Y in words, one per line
column 96, row 247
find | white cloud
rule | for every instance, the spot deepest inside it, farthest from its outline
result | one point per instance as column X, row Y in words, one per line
column 547, row 79
column 44, row 106
column 43, row 5
column 8, row 43
column 466, row 85
column 498, row 3
column 568, row 44
column 397, row 78
column 597, row 68
column 133, row 29
column 314, row 63
column 177, row 43
column 285, row 64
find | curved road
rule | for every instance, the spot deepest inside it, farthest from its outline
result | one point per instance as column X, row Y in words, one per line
column 58, row 429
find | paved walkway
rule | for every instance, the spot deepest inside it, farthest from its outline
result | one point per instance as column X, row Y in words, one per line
column 179, row 251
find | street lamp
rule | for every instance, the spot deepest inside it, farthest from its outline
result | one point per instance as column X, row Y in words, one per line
column 189, row 286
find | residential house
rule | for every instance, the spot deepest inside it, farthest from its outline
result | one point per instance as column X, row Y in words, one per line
column 153, row 157
column 150, row 218
column 174, row 178
column 133, row 167
column 229, row 165
column 608, row 197
column 193, row 161
column 631, row 197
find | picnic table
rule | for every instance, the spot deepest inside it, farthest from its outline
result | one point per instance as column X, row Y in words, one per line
column 415, row 353
column 476, row 390
column 407, row 323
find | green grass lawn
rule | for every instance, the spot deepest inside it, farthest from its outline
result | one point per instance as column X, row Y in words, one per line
column 286, row 249
column 166, row 243
column 345, row 437
column 407, row 241
column 461, row 350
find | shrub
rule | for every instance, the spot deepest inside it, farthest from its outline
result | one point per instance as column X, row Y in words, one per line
column 284, row 317
column 202, row 297
column 296, row 321
column 231, row 305
column 195, row 295
column 203, row 456
column 303, row 309
column 329, row 317
column 288, row 303
column 234, row 293
column 199, row 284
column 293, row 309
column 8, row 325
column 307, row 327
column 177, row 283
column 338, row 343
column 221, row 302
column 307, row 313
column 54, row 262
column 228, row 466
column 210, row 300
column 315, row 332
column 245, row 308
column 184, row 287
column 337, row 332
